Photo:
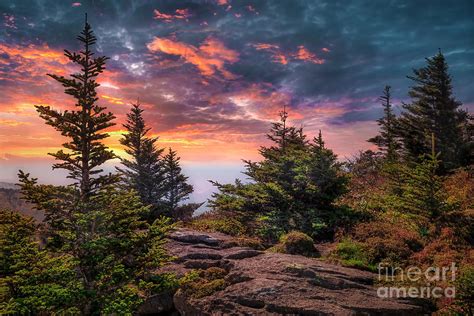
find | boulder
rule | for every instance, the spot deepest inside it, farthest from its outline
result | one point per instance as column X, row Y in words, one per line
column 266, row 283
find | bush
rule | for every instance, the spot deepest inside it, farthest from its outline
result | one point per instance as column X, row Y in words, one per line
column 464, row 302
column 441, row 251
column 296, row 243
column 353, row 254
column 388, row 242
column 228, row 226
column 460, row 188
column 251, row 242
column 204, row 282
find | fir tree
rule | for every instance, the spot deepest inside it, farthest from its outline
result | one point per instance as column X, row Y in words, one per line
column 325, row 172
column 435, row 110
column 293, row 187
column 84, row 126
column 423, row 189
column 93, row 222
column 278, row 158
column 386, row 140
column 176, row 187
column 145, row 172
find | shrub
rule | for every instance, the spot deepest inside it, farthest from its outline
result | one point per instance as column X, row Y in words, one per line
column 204, row 283
column 460, row 188
column 389, row 242
column 441, row 251
column 228, row 226
column 251, row 242
column 464, row 302
column 296, row 243
column 352, row 254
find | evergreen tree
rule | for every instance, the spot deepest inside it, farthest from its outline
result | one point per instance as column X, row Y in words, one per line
column 176, row 187
column 84, row 126
column 145, row 172
column 279, row 158
column 422, row 191
column 93, row 222
column 434, row 110
column 33, row 281
column 325, row 172
column 292, row 188
column 386, row 140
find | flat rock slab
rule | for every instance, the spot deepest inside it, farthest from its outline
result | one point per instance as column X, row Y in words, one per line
column 263, row 283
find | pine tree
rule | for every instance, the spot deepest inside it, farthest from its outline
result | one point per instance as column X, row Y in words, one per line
column 85, row 125
column 286, row 141
column 386, row 140
column 325, row 172
column 423, row 189
column 434, row 110
column 176, row 187
column 145, row 172
column 293, row 187
column 93, row 222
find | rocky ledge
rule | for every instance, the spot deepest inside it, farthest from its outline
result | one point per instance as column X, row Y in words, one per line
column 254, row 282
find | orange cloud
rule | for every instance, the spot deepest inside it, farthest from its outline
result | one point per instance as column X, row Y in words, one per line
column 112, row 99
column 210, row 57
column 180, row 14
column 265, row 46
column 12, row 122
column 26, row 63
column 280, row 57
column 304, row 54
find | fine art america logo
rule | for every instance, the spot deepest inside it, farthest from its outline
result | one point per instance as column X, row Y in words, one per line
column 429, row 278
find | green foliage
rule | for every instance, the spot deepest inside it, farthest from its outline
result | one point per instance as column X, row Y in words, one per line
column 296, row 243
column 204, row 283
column 94, row 228
column 228, row 226
column 416, row 189
column 176, row 187
column 434, row 110
column 387, row 140
column 292, row 188
column 464, row 302
column 353, row 254
column 145, row 172
column 251, row 242
column 111, row 244
column 33, row 280
column 84, row 126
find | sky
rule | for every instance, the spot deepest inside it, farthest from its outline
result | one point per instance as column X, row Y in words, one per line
column 212, row 75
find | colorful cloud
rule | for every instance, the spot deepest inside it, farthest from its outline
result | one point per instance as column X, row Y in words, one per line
column 210, row 57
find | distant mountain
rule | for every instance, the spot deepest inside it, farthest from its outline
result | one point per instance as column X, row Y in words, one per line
column 7, row 185
column 10, row 199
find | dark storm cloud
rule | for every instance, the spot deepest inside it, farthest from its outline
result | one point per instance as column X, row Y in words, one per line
column 364, row 45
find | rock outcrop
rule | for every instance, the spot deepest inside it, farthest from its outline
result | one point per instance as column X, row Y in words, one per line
column 263, row 283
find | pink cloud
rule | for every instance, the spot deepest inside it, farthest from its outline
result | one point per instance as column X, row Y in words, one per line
column 210, row 57
column 304, row 54
column 9, row 21
column 180, row 14
column 283, row 58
